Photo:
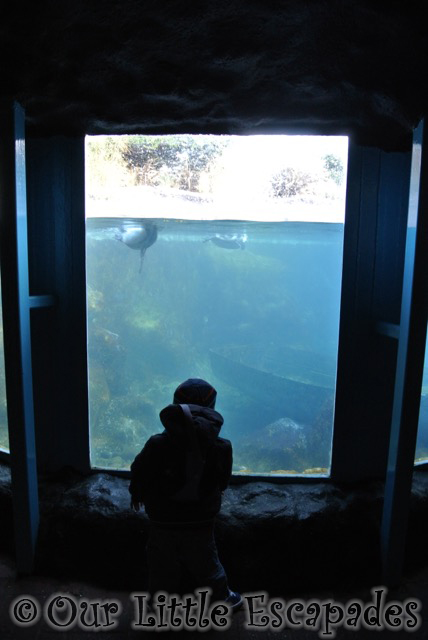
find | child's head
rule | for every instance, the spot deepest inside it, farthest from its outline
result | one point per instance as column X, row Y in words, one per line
column 195, row 391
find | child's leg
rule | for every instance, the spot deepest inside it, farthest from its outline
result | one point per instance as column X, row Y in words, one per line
column 162, row 561
column 198, row 552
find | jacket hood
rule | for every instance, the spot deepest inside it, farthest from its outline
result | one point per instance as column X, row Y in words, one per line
column 205, row 423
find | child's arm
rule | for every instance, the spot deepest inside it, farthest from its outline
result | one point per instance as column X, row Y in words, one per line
column 226, row 466
column 139, row 478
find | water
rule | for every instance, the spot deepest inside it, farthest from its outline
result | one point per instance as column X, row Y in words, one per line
column 422, row 439
column 260, row 323
column 4, row 436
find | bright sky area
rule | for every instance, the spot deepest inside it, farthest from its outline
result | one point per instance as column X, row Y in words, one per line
column 241, row 189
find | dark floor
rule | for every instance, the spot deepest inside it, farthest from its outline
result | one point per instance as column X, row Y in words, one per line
column 39, row 592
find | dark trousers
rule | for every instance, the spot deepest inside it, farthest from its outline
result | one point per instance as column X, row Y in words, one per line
column 174, row 552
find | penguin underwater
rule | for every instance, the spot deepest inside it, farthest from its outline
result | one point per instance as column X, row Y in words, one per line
column 139, row 237
column 232, row 241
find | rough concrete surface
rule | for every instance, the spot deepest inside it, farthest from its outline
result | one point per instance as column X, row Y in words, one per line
column 352, row 67
column 271, row 536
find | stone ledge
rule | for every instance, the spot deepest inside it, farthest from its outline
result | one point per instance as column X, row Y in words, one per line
column 270, row 536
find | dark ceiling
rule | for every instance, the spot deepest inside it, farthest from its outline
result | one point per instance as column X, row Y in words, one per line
column 248, row 66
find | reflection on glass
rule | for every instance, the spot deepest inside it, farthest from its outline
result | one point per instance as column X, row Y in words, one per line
column 422, row 441
column 249, row 301
column 4, row 436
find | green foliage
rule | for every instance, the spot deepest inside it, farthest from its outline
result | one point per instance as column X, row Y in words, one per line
column 104, row 162
column 334, row 168
column 173, row 161
column 290, row 182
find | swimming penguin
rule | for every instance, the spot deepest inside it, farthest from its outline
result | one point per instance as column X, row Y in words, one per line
column 140, row 237
column 231, row 241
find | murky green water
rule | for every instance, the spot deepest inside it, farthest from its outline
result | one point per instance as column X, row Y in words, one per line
column 260, row 323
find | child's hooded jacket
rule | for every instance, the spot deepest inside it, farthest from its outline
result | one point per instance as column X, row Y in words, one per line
column 180, row 474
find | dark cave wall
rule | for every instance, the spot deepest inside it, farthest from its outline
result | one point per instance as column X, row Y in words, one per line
column 344, row 67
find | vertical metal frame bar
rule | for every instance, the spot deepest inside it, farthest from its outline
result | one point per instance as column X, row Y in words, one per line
column 17, row 338
column 373, row 256
column 409, row 371
column 56, row 239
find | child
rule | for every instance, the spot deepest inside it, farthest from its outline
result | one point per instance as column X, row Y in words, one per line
column 179, row 477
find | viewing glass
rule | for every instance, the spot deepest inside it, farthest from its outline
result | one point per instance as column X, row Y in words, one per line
column 219, row 258
column 422, row 440
column 4, row 435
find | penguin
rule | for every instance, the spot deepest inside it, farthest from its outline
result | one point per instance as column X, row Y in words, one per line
column 232, row 241
column 139, row 237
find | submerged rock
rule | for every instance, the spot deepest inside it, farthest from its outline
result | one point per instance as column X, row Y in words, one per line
column 287, row 433
column 282, row 444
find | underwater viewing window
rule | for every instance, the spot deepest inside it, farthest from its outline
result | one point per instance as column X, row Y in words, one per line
column 422, row 439
column 218, row 257
column 4, row 435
